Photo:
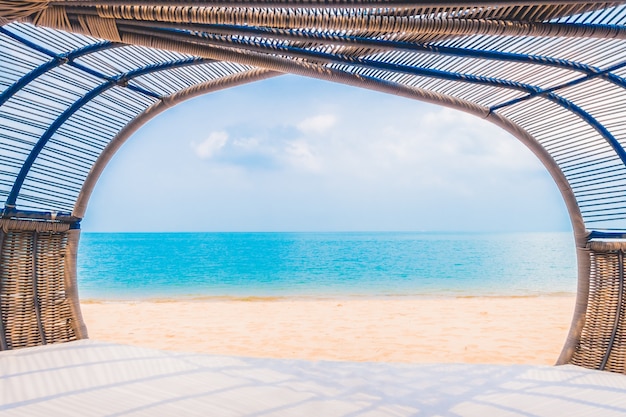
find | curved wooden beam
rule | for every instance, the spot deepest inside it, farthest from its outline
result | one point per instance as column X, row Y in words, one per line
column 310, row 70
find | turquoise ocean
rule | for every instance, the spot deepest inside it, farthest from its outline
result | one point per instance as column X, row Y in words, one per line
column 123, row 266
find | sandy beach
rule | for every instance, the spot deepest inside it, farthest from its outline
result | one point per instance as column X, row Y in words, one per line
column 526, row 330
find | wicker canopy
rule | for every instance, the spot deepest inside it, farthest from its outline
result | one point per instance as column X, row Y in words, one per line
column 78, row 77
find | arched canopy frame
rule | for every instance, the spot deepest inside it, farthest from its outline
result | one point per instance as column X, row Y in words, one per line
column 388, row 56
column 551, row 73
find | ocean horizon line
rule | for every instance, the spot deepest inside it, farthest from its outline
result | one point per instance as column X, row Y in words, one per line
column 442, row 232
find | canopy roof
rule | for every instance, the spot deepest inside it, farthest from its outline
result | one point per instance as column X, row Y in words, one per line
column 78, row 77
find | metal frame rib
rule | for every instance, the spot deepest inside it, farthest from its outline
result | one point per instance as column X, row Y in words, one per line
column 56, row 61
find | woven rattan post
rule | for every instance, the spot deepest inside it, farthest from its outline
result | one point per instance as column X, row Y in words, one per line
column 602, row 344
column 38, row 298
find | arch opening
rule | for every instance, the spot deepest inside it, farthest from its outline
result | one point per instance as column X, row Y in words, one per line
column 184, row 145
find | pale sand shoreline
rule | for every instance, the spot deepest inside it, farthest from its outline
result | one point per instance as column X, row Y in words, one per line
column 524, row 330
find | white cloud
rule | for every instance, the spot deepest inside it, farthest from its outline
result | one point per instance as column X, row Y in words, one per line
column 301, row 156
column 317, row 124
column 247, row 144
column 211, row 145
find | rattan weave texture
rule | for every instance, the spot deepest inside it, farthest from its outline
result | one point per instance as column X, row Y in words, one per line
column 34, row 305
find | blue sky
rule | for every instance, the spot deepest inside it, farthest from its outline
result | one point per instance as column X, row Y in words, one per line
column 294, row 154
